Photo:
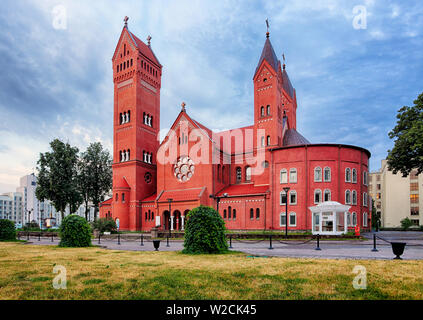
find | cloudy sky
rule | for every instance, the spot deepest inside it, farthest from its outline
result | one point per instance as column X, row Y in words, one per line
column 351, row 75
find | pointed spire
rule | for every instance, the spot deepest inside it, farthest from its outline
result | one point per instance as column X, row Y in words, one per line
column 126, row 21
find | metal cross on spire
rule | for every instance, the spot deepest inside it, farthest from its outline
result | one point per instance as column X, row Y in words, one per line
column 283, row 57
column 149, row 40
column 267, row 24
column 126, row 21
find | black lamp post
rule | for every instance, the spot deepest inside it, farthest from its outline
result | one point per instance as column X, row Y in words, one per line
column 170, row 216
column 286, row 189
column 225, row 195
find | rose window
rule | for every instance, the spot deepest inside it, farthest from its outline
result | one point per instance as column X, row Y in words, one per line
column 184, row 169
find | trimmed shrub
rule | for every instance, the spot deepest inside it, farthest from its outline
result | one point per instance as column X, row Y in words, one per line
column 204, row 232
column 406, row 223
column 104, row 225
column 75, row 232
column 7, row 230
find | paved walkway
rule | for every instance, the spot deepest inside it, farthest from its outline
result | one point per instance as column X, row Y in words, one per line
column 347, row 249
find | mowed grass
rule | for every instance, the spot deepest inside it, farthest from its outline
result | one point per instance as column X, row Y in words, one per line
column 26, row 272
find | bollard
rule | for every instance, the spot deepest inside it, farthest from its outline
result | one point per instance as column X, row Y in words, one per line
column 39, row 236
column 374, row 244
column 52, row 237
column 142, row 240
column 99, row 236
column 230, row 242
column 19, row 236
column 27, row 236
column 270, row 239
column 318, row 243
column 167, row 242
column 119, row 239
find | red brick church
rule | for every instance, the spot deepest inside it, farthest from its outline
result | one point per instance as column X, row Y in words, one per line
column 241, row 172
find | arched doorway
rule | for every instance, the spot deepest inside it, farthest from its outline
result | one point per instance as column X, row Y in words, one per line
column 166, row 220
column 177, row 224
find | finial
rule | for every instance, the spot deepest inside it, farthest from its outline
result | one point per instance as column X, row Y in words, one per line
column 283, row 56
column 267, row 24
column 183, row 106
column 149, row 40
column 126, row 21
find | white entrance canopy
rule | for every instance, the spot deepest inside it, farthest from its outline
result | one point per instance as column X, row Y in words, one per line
column 329, row 218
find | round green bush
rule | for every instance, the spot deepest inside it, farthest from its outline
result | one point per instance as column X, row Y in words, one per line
column 7, row 230
column 205, row 232
column 75, row 232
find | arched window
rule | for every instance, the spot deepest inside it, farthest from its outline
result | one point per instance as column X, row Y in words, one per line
column 251, row 214
column 365, row 199
column 257, row 214
column 354, row 219
column 149, row 215
column 128, row 117
column 224, row 214
column 354, row 175
column 318, row 174
column 284, row 176
column 234, row 214
column 327, row 174
column 347, row 175
column 238, row 175
column 347, row 197
column 283, row 219
column 268, row 140
column 293, row 197
column 327, row 195
column 146, row 216
column 365, row 178
column 123, row 198
column 120, row 118
column 117, row 197
column 293, row 175
column 230, row 213
column 365, row 218
column 283, row 198
column 354, row 197
column 292, row 219
column 248, row 174
column 268, row 110
column 262, row 141
column 349, row 219
column 317, row 196
column 152, row 216
column 262, row 111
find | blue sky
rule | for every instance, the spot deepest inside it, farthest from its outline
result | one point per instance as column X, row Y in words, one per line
column 350, row 82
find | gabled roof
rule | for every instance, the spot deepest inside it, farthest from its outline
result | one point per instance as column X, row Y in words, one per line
column 181, row 195
column 269, row 55
column 292, row 137
column 150, row 198
column 243, row 189
column 122, row 184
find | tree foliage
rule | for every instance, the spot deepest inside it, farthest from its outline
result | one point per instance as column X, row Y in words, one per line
column 75, row 232
column 105, row 224
column 406, row 223
column 94, row 175
column 407, row 153
column 205, row 232
column 57, row 177
column 7, row 230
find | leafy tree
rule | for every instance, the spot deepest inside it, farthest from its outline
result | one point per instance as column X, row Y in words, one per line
column 7, row 230
column 406, row 223
column 57, row 177
column 407, row 153
column 105, row 224
column 95, row 176
column 205, row 232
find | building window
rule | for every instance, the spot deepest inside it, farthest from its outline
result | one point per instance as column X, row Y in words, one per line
column 251, row 214
column 123, row 198
column 229, row 213
column 347, row 197
column 414, row 198
column 365, row 178
column 265, row 164
column 146, row 217
column 317, row 196
column 365, row 218
column 318, row 174
column 284, row 176
column 354, row 219
column 327, row 195
column 117, row 197
column 238, row 175
column 234, row 214
column 354, row 197
column 354, row 175
column 414, row 211
column 262, row 111
column 293, row 175
column 292, row 219
column 224, row 214
column 415, row 222
column 293, row 197
column 262, row 141
column 327, row 174
column 283, row 198
column 365, row 199
column 283, row 219
column 248, row 174
column 268, row 140
column 347, row 175
column 268, row 110
column 257, row 214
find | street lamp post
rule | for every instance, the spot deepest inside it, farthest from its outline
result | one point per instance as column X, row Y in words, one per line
column 286, row 189
column 170, row 216
column 225, row 195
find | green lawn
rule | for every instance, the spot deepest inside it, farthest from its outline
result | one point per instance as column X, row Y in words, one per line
column 94, row 273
